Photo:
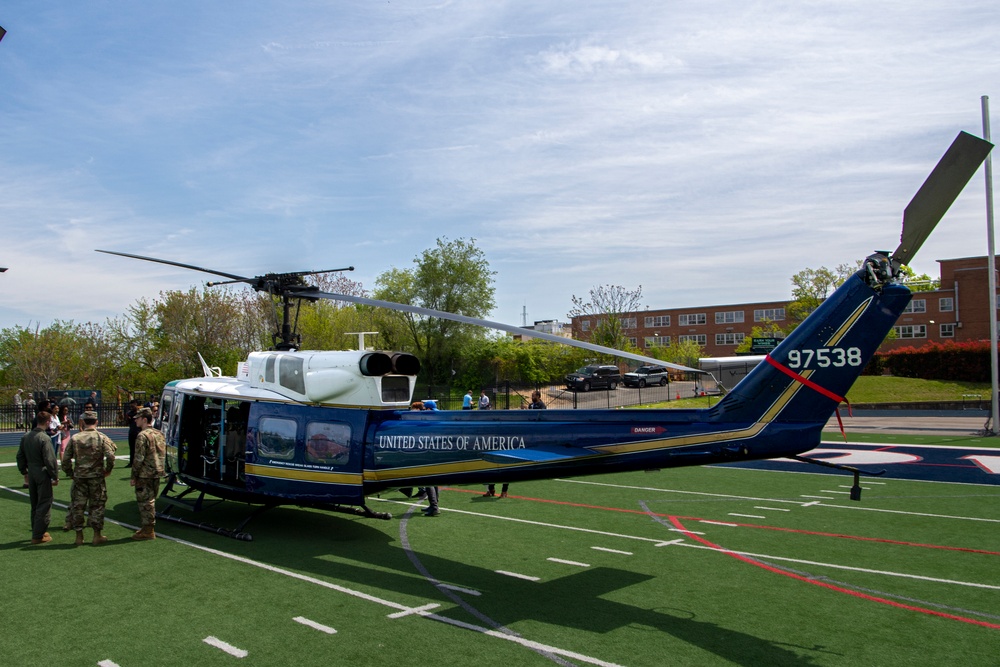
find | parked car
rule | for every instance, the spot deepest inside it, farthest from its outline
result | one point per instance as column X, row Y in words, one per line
column 594, row 377
column 645, row 375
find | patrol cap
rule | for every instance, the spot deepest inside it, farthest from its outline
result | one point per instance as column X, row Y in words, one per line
column 146, row 413
column 89, row 416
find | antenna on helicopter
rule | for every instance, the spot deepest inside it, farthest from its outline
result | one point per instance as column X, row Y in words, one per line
column 285, row 286
column 361, row 337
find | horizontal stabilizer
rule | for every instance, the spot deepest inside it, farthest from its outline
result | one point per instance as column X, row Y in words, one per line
column 537, row 455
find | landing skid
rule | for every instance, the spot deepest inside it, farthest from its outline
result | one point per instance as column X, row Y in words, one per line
column 353, row 510
column 197, row 505
column 180, row 500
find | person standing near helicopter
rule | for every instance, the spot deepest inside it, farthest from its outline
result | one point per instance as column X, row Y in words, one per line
column 94, row 454
column 147, row 469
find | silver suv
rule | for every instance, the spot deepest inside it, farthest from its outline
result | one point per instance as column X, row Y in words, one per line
column 644, row 375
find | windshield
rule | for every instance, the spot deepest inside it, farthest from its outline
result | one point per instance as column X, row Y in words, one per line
column 586, row 370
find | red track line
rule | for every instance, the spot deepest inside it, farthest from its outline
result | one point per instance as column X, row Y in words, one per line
column 864, row 596
column 750, row 525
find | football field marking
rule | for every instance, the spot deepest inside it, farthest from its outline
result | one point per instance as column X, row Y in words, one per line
column 526, row 577
column 225, row 646
column 568, row 562
column 414, row 610
column 314, row 625
column 612, row 551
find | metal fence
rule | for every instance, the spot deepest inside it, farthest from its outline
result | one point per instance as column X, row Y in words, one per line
column 13, row 418
column 508, row 396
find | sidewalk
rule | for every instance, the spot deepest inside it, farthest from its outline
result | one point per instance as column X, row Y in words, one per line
column 904, row 423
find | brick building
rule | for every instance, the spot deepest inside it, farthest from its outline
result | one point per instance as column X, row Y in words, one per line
column 958, row 310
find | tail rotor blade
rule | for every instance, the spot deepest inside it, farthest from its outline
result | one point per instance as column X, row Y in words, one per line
column 938, row 192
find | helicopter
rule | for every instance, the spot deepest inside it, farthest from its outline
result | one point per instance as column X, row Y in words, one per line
column 327, row 429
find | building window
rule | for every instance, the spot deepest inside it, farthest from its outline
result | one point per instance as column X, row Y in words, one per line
column 911, row 331
column 633, row 341
column 629, row 323
column 658, row 321
column 657, row 341
column 691, row 319
column 729, row 317
column 700, row 339
column 584, row 325
column 916, row 306
column 769, row 315
column 946, row 304
column 729, row 338
column 948, row 330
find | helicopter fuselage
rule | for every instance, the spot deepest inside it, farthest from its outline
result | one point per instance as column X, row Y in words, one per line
column 276, row 432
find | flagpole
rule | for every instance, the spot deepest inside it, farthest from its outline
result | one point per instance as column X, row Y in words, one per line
column 991, row 276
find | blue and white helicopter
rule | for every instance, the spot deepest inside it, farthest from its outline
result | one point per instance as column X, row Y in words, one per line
column 328, row 429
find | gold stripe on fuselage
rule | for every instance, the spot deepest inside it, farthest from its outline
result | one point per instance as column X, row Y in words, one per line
column 304, row 475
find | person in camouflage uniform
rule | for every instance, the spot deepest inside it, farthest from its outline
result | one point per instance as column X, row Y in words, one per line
column 95, row 458
column 147, row 469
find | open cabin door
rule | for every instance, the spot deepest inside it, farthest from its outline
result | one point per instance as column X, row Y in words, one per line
column 211, row 435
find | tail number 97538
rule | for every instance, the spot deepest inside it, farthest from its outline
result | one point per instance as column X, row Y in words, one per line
column 824, row 357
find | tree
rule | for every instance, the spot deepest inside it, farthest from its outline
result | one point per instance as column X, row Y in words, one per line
column 608, row 310
column 62, row 355
column 158, row 341
column 325, row 324
column 919, row 283
column 811, row 286
column 533, row 362
column 686, row 353
column 454, row 276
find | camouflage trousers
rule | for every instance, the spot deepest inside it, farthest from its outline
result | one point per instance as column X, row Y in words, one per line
column 146, row 490
column 90, row 494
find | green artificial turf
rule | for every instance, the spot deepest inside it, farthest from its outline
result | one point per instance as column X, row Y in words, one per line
column 662, row 603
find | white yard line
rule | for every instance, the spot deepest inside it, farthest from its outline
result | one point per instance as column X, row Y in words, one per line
column 526, row 577
column 612, row 551
column 568, row 562
column 228, row 648
column 314, row 625
column 886, row 573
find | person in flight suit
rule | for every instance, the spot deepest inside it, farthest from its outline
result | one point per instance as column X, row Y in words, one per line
column 36, row 460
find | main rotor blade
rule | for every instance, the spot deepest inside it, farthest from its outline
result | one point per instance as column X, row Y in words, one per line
column 417, row 310
column 310, row 273
column 938, row 192
column 234, row 277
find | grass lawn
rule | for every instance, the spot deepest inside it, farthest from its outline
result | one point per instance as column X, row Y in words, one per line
column 878, row 389
column 691, row 566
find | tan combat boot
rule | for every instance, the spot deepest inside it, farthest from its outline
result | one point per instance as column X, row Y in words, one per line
column 79, row 538
column 98, row 538
column 144, row 533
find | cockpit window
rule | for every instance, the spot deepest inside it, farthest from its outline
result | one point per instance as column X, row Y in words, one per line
column 290, row 374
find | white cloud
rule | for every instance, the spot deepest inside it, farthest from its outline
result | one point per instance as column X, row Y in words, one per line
column 707, row 155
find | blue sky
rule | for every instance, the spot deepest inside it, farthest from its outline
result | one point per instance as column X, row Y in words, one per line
column 705, row 151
